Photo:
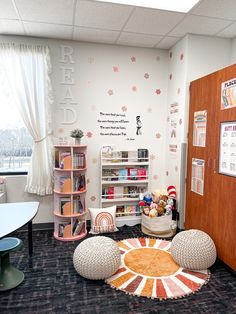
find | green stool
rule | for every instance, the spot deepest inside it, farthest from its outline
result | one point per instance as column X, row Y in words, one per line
column 10, row 277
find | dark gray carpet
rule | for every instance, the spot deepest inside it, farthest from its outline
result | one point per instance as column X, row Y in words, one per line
column 52, row 285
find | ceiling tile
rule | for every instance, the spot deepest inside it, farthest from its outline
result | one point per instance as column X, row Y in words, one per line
column 95, row 35
column 48, row 30
column 7, row 10
column 138, row 40
column 53, row 11
column 199, row 25
column 167, row 42
column 155, row 22
column 224, row 9
column 229, row 32
column 101, row 15
column 11, row 27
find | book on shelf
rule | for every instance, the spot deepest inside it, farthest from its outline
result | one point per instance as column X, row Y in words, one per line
column 133, row 191
column 65, row 206
column 78, row 227
column 142, row 154
column 110, row 192
column 133, row 173
column 110, row 174
column 56, row 158
column 78, row 205
column 65, row 184
column 79, row 183
column 142, row 174
column 78, row 160
column 64, row 229
column 120, row 211
column 123, row 174
column 126, row 191
column 65, row 161
column 124, row 156
column 116, row 156
column 118, row 191
column 132, row 155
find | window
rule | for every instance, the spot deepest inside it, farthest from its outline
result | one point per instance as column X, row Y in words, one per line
column 15, row 140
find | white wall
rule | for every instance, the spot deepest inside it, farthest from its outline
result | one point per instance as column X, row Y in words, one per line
column 137, row 78
column 233, row 51
column 94, row 75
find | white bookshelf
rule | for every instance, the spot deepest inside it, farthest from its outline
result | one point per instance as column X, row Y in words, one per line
column 124, row 175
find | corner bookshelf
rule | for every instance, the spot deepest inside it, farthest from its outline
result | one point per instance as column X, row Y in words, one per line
column 69, row 192
column 124, row 175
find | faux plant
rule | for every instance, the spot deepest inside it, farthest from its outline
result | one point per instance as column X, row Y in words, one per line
column 77, row 133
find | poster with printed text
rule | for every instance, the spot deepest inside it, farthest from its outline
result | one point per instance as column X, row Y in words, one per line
column 199, row 128
column 228, row 94
column 197, row 181
column 227, row 158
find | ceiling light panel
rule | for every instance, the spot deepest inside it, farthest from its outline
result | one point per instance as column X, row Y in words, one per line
column 169, row 5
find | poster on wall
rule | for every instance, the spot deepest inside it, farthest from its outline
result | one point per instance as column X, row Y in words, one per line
column 199, row 128
column 197, row 181
column 228, row 94
column 227, row 151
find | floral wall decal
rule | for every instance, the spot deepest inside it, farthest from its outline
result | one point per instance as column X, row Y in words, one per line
column 124, row 108
column 133, row 59
column 93, row 198
column 158, row 91
column 134, row 88
column 146, row 76
column 158, row 135
column 110, row 92
column 115, row 69
column 89, row 134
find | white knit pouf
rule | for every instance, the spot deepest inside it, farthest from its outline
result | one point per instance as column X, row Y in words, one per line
column 193, row 249
column 97, row 258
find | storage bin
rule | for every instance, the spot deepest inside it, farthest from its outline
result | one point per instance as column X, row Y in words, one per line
column 162, row 226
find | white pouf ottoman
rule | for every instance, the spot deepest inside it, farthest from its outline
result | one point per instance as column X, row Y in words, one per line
column 97, row 258
column 193, row 249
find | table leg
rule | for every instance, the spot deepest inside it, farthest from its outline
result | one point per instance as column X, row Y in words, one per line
column 30, row 238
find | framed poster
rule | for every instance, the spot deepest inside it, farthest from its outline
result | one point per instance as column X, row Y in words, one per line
column 228, row 94
column 197, row 180
column 227, row 150
column 199, row 128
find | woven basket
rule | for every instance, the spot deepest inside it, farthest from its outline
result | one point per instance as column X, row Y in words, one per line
column 162, row 226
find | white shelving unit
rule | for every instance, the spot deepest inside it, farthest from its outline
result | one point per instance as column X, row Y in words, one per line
column 124, row 175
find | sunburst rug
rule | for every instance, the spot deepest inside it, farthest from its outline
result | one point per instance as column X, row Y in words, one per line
column 147, row 269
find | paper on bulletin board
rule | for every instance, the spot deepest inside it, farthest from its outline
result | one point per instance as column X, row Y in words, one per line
column 228, row 94
column 199, row 128
column 197, row 181
column 227, row 158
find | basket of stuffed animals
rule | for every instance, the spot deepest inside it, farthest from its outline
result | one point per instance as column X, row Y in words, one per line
column 162, row 226
column 159, row 213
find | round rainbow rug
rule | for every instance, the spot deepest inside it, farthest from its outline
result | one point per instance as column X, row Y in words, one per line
column 147, row 269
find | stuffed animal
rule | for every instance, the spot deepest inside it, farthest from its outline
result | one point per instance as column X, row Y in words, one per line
column 156, row 196
column 147, row 197
column 161, row 207
column 153, row 213
column 146, row 211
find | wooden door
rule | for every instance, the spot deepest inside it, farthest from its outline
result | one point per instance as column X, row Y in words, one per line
column 215, row 211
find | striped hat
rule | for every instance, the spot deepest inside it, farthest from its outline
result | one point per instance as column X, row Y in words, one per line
column 171, row 191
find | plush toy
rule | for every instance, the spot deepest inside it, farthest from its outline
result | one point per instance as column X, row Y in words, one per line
column 153, row 206
column 156, row 196
column 171, row 191
column 153, row 213
column 161, row 207
column 146, row 211
column 147, row 197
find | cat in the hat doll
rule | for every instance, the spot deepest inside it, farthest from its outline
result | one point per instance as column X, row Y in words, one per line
column 172, row 201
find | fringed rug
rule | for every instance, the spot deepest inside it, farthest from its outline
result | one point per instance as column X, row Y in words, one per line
column 147, row 269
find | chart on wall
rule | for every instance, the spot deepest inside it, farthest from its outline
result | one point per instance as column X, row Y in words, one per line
column 228, row 94
column 173, row 146
column 227, row 158
column 199, row 128
column 197, row 181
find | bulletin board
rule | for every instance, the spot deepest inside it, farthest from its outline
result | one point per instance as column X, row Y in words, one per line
column 227, row 151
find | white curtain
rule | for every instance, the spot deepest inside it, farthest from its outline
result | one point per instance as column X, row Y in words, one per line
column 27, row 70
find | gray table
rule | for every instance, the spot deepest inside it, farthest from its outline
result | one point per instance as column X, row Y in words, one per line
column 15, row 215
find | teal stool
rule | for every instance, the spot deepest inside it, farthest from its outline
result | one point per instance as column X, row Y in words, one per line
column 10, row 277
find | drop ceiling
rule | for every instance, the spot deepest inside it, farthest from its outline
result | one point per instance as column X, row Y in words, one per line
column 100, row 22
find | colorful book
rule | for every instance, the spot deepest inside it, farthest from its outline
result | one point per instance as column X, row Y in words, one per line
column 123, row 174
column 142, row 174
